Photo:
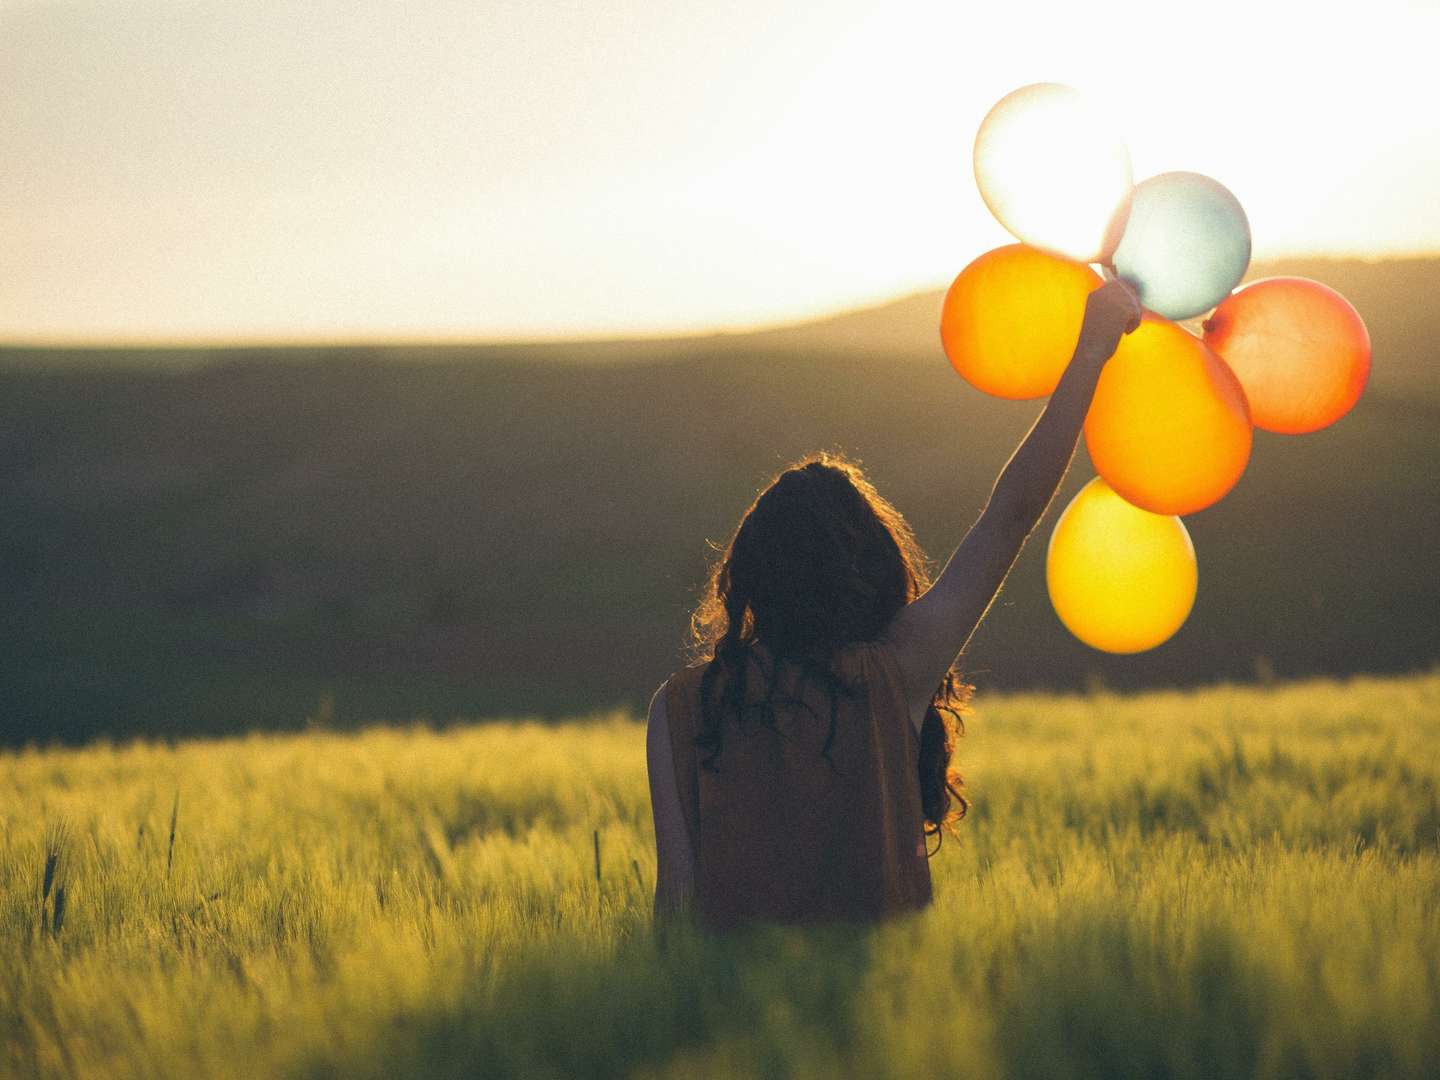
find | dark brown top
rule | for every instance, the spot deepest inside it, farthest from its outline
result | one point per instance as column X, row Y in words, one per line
column 781, row 835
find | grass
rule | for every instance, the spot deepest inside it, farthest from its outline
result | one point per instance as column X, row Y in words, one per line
column 1222, row 883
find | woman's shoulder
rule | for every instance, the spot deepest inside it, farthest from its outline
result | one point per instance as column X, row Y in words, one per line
column 861, row 660
column 679, row 692
column 858, row 658
column 687, row 676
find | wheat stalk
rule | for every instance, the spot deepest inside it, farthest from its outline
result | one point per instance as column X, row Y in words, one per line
column 170, row 849
column 58, row 915
column 57, row 842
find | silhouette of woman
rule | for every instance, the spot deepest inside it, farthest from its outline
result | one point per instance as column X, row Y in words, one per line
column 798, row 769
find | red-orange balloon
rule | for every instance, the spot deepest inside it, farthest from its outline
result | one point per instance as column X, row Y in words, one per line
column 1012, row 318
column 1299, row 349
column 1169, row 428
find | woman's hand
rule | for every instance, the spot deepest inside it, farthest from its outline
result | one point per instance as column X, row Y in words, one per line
column 1111, row 311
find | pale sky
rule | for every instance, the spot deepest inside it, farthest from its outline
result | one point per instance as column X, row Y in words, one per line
column 179, row 170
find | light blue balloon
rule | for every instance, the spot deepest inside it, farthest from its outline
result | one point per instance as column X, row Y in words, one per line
column 1186, row 245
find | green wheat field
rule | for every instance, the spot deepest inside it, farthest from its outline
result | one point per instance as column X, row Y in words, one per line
column 1220, row 883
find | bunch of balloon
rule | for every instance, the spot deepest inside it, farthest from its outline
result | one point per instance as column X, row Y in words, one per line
column 1170, row 428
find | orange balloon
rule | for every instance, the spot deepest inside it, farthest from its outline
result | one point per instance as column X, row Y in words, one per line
column 1169, row 428
column 1121, row 579
column 1299, row 349
column 1011, row 320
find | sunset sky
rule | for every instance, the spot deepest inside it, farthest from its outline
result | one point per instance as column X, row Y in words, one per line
column 177, row 170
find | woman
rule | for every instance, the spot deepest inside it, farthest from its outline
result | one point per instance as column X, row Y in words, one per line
column 796, row 773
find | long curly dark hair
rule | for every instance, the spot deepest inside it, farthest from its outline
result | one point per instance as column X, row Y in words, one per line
column 819, row 561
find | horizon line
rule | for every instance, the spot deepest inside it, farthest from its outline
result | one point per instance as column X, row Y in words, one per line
column 461, row 339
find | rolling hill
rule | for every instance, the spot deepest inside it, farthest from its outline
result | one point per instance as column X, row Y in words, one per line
column 202, row 540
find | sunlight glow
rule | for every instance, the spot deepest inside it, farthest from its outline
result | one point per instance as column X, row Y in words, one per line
column 201, row 169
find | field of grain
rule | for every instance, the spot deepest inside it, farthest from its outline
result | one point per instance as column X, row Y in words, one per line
column 1222, row 883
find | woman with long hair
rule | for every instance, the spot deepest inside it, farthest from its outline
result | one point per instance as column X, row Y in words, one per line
column 800, row 770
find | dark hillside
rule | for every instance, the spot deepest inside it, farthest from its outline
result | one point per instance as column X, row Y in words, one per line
column 204, row 546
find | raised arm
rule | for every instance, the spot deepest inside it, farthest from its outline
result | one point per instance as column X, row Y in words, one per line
column 932, row 630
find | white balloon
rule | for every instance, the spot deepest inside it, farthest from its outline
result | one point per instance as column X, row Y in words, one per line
column 1054, row 170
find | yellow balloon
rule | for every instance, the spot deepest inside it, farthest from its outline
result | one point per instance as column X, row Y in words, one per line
column 1011, row 320
column 1121, row 579
column 1169, row 427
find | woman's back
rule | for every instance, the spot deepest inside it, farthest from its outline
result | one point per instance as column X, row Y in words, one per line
column 789, row 824
column 786, row 829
